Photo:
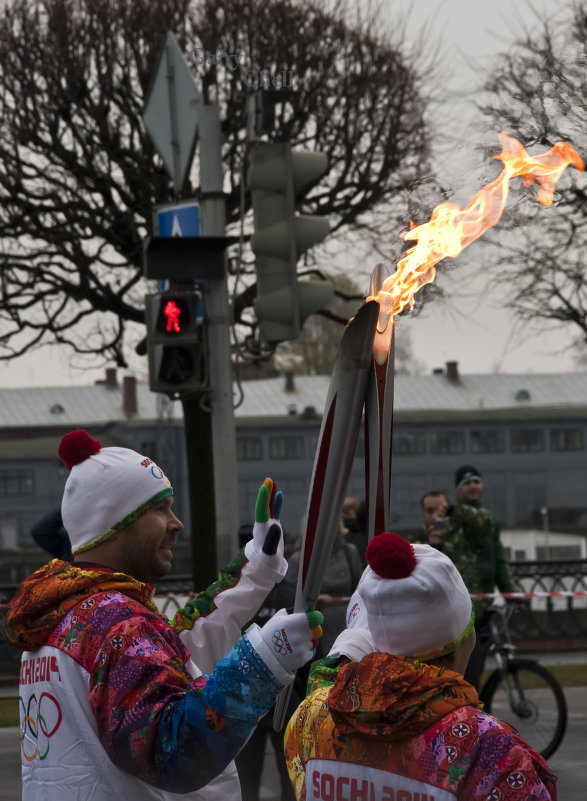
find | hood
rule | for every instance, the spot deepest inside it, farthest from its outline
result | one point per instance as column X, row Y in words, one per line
column 395, row 697
column 44, row 598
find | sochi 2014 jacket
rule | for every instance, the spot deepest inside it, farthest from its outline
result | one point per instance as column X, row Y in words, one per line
column 113, row 701
column 394, row 729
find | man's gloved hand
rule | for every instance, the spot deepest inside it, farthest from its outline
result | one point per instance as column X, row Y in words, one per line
column 267, row 531
column 291, row 638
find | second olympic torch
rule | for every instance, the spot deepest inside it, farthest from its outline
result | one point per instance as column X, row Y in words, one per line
column 379, row 417
column 341, row 424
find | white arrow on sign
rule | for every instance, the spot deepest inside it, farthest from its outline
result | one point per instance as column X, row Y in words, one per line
column 171, row 111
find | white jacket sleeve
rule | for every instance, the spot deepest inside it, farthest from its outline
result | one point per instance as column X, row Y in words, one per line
column 211, row 623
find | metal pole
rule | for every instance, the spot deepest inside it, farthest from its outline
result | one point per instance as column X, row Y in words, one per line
column 544, row 513
column 213, row 219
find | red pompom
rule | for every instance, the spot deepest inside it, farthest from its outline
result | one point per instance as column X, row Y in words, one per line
column 76, row 447
column 391, row 556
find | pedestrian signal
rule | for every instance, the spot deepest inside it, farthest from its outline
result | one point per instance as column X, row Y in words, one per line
column 175, row 343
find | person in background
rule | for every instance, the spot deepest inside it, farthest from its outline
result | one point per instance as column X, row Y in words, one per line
column 472, row 541
column 50, row 534
column 390, row 715
column 117, row 701
column 350, row 507
column 435, row 508
column 355, row 523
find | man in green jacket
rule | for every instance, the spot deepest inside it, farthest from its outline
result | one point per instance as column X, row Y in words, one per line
column 472, row 542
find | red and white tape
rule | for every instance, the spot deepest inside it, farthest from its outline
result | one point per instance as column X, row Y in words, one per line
column 559, row 594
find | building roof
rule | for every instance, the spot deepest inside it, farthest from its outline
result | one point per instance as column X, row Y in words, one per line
column 520, row 394
column 71, row 406
column 491, row 396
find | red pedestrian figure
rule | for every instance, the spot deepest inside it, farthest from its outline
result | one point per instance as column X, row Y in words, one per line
column 172, row 312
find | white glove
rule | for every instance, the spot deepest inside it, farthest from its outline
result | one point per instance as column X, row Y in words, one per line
column 267, row 514
column 291, row 639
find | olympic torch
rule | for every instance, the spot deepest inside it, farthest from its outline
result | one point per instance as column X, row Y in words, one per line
column 363, row 373
column 379, row 417
column 335, row 452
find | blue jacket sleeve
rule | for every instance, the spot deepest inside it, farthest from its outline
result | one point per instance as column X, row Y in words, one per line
column 173, row 731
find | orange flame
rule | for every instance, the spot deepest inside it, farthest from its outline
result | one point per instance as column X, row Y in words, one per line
column 451, row 228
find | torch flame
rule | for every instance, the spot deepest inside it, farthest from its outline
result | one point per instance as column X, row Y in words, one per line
column 451, row 228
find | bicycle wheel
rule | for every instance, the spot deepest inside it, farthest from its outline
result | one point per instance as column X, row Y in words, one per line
column 534, row 704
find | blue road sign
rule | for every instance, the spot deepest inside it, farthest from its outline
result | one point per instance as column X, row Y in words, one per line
column 179, row 219
column 182, row 219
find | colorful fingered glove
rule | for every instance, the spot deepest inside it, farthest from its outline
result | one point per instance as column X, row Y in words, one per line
column 267, row 531
column 291, row 638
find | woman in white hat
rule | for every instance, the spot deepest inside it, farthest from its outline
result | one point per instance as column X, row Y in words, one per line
column 399, row 722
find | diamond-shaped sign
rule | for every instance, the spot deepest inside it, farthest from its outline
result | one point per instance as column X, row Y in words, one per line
column 171, row 111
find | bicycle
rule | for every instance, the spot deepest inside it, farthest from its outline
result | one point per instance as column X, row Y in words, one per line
column 521, row 691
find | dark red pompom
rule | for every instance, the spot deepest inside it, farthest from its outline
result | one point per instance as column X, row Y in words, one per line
column 76, row 447
column 391, row 556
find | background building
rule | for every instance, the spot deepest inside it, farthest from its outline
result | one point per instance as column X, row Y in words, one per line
column 526, row 433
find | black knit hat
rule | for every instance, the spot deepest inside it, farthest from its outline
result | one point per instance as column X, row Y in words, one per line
column 466, row 473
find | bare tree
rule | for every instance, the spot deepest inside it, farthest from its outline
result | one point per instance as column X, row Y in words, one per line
column 537, row 94
column 79, row 176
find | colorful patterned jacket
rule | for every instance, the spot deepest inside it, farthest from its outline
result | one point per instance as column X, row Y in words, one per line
column 113, row 700
column 394, row 729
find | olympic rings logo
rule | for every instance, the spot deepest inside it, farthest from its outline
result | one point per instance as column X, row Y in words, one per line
column 278, row 643
column 37, row 718
column 156, row 472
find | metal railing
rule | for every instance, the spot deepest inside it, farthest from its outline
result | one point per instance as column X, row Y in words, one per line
column 550, row 616
column 548, row 620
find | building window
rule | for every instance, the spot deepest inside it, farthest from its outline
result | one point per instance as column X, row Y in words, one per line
column 408, row 443
column 528, row 440
column 544, row 552
column 19, row 483
column 447, row 442
column 487, row 441
column 566, row 439
column 249, row 449
column 286, row 447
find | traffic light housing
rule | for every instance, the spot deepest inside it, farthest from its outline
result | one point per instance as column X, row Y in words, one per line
column 175, row 343
column 277, row 177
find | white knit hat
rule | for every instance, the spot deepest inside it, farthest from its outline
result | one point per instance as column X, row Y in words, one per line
column 416, row 601
column 107, row 489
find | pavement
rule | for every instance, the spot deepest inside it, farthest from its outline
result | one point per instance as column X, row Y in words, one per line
column 568, row 763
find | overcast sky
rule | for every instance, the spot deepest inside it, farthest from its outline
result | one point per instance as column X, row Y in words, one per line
column 470, row 327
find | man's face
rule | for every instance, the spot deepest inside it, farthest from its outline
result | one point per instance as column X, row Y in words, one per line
column 470, row 490
column 433, row 506
column 146, row 546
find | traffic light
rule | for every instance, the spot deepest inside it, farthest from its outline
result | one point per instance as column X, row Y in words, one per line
column 277, row 177
column 175, row 341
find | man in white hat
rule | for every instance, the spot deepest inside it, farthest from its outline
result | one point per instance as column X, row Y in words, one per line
column 117, row 702
column 399, row 722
